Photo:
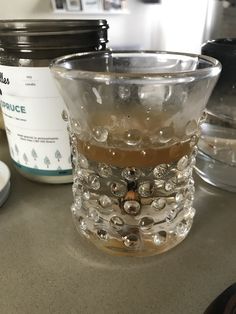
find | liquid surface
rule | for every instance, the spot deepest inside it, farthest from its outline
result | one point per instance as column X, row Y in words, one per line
column 125, row 157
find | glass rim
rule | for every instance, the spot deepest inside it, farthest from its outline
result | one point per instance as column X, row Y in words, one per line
column 213, row 69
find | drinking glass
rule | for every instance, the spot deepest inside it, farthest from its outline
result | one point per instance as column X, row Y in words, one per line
column 134, row 124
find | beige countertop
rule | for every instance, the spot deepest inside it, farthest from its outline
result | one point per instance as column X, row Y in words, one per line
column 45, row 267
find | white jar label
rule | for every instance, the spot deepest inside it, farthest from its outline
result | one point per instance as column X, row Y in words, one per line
column 32, row 106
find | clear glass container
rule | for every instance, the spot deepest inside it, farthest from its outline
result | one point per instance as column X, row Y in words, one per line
column 216, row 161
column 134, row 124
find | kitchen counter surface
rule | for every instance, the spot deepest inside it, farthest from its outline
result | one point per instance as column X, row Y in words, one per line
column 45, row 267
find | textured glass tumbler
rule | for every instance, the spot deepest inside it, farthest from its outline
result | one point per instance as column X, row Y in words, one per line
column 134, row 123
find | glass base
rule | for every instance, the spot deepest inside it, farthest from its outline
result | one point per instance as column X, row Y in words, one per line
column 114, row 247
column 148, row 247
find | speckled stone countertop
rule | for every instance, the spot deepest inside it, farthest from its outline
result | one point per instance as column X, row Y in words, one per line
column 45, row 267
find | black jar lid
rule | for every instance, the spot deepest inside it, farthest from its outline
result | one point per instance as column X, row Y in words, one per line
column 52, row 34
column 223, row 49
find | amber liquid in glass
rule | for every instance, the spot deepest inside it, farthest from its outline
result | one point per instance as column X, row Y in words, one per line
column 144, row 157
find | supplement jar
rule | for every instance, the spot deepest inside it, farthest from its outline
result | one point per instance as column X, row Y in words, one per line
column 33, row 110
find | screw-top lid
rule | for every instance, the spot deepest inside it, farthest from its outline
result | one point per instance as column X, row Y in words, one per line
column 52, row 34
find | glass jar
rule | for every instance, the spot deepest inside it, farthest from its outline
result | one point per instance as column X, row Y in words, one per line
column 31, row 105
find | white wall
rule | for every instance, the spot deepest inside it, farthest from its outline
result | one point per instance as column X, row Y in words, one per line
column 183, row 23
column 175, row 25
column 19, row 9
